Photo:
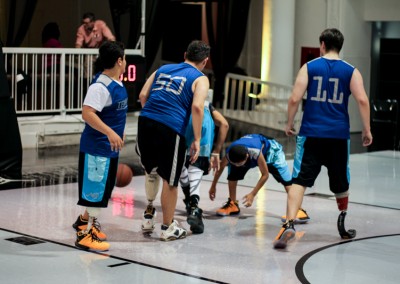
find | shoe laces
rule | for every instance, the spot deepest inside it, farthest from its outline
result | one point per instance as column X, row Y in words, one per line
column 289, row 224
column 96, row 224
column 227, row 204
column 149, row 209
column 195, row 211
column 94, row 237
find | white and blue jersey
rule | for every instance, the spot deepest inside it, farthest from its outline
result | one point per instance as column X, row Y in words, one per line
column 326, row 109
column 96, row 143
column 171, row 96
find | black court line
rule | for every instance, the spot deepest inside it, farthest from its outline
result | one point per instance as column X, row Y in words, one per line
column 125, row 261
column 331, row 198
column 299, row 269
column 119, row 264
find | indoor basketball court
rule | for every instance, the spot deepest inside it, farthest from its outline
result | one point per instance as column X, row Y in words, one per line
column 37, row 238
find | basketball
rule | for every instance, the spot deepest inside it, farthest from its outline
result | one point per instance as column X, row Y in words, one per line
column 124, row 175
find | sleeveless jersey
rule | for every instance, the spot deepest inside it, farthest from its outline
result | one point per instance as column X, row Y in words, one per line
column 171, row 96
column 207, row 132
column 254, row 144
column 96, row 143
column 328, row 91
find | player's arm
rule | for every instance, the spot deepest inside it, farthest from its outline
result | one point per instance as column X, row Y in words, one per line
column 223, row 127
column 90, row 116
column 200, row 91
column 145, row 92
column 298, row 91
column 213, row 188
column 262, row 165
column 358, row 91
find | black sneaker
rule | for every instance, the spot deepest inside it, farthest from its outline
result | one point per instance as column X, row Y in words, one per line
column 195, row 221
column 286, row 233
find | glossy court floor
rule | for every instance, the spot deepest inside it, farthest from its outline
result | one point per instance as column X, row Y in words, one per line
column 37, row 240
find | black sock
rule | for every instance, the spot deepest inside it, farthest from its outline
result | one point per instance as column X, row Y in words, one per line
column 194, row 200
column 186, row 191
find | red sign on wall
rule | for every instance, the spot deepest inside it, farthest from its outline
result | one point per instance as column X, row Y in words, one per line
column 308, row 53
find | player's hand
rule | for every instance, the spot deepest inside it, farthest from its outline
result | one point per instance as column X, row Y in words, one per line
column 366, row 137
column 194, row 151
column 116, row 142
column 212, row 192
column 290, row 130
column 248, row 200
column 214, row 162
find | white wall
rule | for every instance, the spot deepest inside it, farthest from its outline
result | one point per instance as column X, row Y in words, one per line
column 250, row 58
column 381, row 10
column 310, row 21
column 356, row 50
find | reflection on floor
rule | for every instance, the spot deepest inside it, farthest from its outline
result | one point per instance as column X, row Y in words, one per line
column 37, row 240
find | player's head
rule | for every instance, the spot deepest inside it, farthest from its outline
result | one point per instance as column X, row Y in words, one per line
column 197, row 52
column 333, row 40
column 109, row 54
column 237, row 155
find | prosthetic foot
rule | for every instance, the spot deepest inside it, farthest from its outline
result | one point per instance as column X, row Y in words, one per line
column 350, row 234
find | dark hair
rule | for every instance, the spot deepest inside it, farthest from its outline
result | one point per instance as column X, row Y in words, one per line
column 332, row 38
column 237, row 153
column 109, row 52
column 89, row 15
column 50, row 30
column 197, row 51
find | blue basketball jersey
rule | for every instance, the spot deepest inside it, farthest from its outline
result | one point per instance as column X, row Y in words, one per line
column 328, row 91
column 171, row 96
column 96, row 143
column 207, row 132
column 254, row 144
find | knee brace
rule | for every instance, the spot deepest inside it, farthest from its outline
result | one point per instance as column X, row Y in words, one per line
column 342, row 200
column 152, row 185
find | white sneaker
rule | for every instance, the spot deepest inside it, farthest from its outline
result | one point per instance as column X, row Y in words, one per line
column 149, row 221
column 173, row 232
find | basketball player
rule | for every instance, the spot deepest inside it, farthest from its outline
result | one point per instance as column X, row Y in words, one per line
column 168, row 97
column 250, row 151
column 192, row 174
column 104, row 111
column 324, row 137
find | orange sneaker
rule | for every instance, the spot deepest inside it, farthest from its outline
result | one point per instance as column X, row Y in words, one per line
column 90, row 241
column 230, row 208
column 301, row 217
column 286, row 233
column 81, row 225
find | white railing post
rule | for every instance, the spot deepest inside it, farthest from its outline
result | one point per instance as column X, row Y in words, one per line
column 62, row 85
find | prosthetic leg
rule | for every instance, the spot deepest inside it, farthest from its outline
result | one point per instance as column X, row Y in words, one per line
column 152, row 185
column 342, row 200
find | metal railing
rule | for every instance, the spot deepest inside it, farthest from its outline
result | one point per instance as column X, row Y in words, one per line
column 50, row 80
column 255, row 101
column 55, row 80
